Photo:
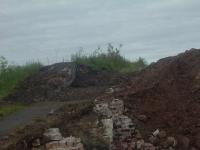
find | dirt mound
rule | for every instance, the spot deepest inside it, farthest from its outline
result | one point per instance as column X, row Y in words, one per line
column 168, row 93
column 85, row 76
column 64, row 81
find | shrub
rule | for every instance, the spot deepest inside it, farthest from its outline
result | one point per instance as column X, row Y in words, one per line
column 10, row 75
column 111, row 60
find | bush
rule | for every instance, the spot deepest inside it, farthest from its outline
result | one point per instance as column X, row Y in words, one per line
column 10, row 75
column 111, row 60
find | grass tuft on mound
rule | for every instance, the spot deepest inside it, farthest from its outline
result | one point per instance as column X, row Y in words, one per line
column 111, row 60
column 11, row 75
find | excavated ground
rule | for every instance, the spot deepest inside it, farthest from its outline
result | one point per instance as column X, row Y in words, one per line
column 59, row 83
column 168, row 94
column 164, row 96
column 64, row 82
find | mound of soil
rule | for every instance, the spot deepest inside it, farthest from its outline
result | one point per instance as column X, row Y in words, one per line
column 168, row 93
column 63, row 82
column 85, row 76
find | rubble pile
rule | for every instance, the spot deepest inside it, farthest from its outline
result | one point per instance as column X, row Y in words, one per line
column 47, row 84
column 53, row 140
column 122, row 131
column 155, row 109
column 64, row 82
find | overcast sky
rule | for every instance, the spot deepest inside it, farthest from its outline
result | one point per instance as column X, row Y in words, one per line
column 50, row 30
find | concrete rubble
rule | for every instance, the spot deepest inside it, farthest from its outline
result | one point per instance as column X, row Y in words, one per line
column 53, row 140
column 122, row 131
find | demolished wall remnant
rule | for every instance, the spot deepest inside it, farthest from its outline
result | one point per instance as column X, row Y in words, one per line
column 103, row 109
column 117, row 107
column 53, row 140
column 122, row 131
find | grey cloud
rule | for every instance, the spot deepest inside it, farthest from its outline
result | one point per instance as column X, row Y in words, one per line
column 41, row 29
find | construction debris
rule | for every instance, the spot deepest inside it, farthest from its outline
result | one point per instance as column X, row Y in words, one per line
column 122, row 132
column 52, row 134
column 53, row 140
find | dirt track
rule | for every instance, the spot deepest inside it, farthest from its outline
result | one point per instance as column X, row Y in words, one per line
column 163, row 96
column 24, row 116
column 87, row 85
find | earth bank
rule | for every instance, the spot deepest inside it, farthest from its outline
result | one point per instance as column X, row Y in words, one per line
column 161, row 100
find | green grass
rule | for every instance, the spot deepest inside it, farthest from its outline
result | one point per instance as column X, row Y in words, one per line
column 10, row 108
column 111, row 60
column 11, row 75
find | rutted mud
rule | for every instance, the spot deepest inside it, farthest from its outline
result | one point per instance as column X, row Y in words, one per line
column 39, row 110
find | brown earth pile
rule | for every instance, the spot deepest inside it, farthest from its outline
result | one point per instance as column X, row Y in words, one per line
column 64, row 82
column 168, row 93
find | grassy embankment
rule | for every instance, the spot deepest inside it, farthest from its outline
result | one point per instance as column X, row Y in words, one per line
column 10, row 76
column 109, row 60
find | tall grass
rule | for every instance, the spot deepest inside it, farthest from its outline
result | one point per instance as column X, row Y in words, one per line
column 109, row 60
column 11, row 75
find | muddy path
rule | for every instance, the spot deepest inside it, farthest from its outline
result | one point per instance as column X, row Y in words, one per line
column 22, row 117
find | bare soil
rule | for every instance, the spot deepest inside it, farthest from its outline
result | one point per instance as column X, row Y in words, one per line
column 168, row 93
column 43, row 93
column 76, row 82
column 21, row 118
column 75, row 119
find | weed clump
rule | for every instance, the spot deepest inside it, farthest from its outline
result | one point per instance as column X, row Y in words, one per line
column 111, row 60
column 11, row 75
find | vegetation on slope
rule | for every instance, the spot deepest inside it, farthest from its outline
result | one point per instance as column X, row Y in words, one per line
column 111, row 60
column 10, row 75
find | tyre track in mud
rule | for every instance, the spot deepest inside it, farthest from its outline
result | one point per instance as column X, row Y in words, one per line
column 22, row 117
